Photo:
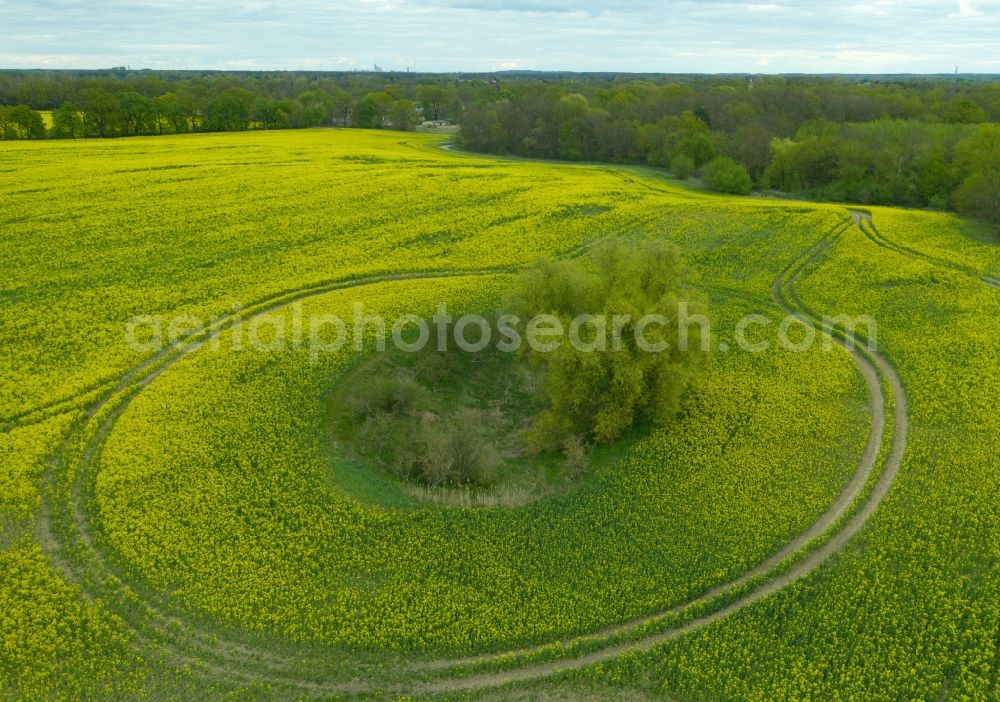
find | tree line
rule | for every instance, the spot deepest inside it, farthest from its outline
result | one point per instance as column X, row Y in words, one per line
column 910, row 141
column 120, row 102
column 900, row 140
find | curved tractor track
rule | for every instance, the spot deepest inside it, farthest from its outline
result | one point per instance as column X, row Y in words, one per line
column 68, row 535
column 158, row 627
column 875, row 370
column 53, row 408
column 864, row 222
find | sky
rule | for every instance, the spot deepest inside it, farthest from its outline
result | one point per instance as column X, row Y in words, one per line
column 713, row 36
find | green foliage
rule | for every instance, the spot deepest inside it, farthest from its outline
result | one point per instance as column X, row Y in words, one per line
column 682, row 165
column 913, row 597
column 600, row 383
column 724, row 175
column 438, row 417
column 979, row 157
column 21, row 122
column 882, row 141
column 911, row 163
column 962, row 110
column 67, row 122
column 403, row 115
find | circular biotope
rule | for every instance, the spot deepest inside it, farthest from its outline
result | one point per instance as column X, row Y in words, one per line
column 264, row 497
column 452, row 424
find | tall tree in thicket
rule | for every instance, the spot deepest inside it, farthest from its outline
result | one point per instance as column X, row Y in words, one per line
column 33, row 90
column 736, row 115
column 31, row 122
column 570, row 114
column 67, row 122
column 599, row 388
column 784, row 108
column 316, row 107
column 267, row 114
column 21, row 122
column 168, row 111
column 138, row 113
column 932, row 176
column 979, row 158
column 804, row 165
column 341, row 105
column 960, row 110
column 688, row 135
column 230, row 111
column 403, row 115
column 8, row 128
column 751, row 146
column 100, row 111
column 482, row 131
column 288, row 114
column 432, row 97
column 373, row 109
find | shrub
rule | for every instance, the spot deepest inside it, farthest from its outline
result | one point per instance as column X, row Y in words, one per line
column 725, row 175
column 412, row 416
column 394, row 396
column 682, row 165
column 577, row 454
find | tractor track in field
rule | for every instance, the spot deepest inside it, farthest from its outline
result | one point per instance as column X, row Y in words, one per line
column 159, row 622
column 864, row 222
column 48, row 410
column 159, row 626
column 874, row 368
column 626, row 177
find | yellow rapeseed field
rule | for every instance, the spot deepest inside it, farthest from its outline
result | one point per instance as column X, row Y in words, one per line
column 178, row 525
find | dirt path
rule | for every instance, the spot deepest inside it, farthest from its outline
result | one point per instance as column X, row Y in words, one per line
column 836, row 511
column 154, row 622
column 860, row 216
column 73, row 549
column 873, row 367
column 47, row 410
column 687, row 191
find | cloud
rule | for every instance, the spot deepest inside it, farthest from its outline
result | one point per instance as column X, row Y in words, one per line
column 481, row 35
column 549, row 6
column 965, row 9
column 41, row 60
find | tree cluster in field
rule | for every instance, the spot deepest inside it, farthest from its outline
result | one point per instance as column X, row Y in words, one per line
column 451, row 416
column 454, row 417
column 595, row 389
